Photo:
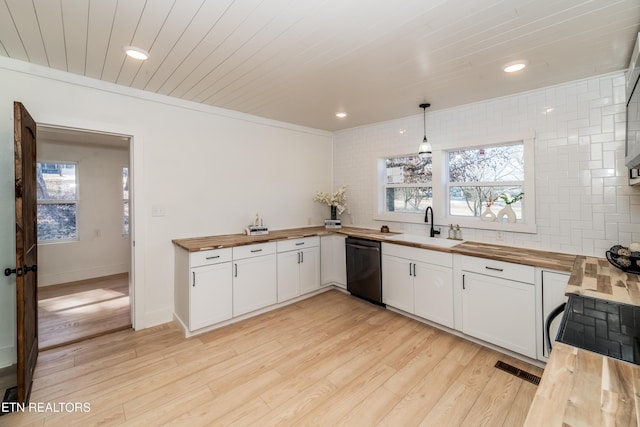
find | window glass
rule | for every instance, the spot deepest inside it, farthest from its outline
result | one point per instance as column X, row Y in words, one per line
column 497, row 164
column 489, row 176
column 125, row 201
column 57, row 201
column 407, row 187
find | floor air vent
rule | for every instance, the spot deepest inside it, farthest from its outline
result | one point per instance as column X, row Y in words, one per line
column 534, row 379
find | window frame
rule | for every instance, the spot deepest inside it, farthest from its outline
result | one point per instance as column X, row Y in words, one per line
column 528, row 224
column 381, row 185
column 126, row 201
column 62, row 202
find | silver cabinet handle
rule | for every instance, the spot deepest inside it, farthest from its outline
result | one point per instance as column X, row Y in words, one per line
column 494, row 268
column 463, row 287
column 213, row 257
column 298, row 257
column 300, row 243
column 253, row 251
column 301, row 256
column 194, row 278
column 410, row 273
column 414, row 269
column 235, row 274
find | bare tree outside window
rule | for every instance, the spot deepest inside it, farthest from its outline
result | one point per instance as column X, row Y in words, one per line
column 57, row 201
column 479, row 176
column 408, row 184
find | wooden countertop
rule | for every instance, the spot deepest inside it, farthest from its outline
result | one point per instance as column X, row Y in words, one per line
column 536, row 258
column 230, row 240
column 597, row 278
column 581, row 388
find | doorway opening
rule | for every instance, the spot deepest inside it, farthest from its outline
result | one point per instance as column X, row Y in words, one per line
column 84, row 235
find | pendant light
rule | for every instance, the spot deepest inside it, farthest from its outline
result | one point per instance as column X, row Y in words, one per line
column 425, row 148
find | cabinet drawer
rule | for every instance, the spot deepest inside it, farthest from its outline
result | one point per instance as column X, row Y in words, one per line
column 505, row 270
column 258, row 249
column 295, row 244
column 213, row 256
column 428, row 256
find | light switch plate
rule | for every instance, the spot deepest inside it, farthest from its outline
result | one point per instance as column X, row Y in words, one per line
column 158, row 211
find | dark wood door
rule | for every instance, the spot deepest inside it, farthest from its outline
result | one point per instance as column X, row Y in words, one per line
column 26, row 248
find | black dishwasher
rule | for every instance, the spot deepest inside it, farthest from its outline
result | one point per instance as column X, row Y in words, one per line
column 364, row 275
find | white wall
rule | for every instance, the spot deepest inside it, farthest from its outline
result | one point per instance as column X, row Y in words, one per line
column 583, row 202
column 210, row 169
column 101, row 249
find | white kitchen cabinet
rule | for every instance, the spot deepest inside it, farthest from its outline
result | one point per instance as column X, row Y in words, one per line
column 254, row 277
column 211, row 295
column 498, row 304
column 298, row 267
column 333, row 261
column 418, row 281
column 397, row 283
column 433, row 291
column 203, row 287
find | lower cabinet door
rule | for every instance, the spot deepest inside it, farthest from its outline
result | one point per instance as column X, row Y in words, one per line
column 254, row 283
column 433, row 292
column 500, row 311
column 397, row 283
column 210, row 295
column 309, row 270
column 288, row 272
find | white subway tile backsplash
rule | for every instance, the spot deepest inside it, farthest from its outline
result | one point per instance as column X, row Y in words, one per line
column 583, row 202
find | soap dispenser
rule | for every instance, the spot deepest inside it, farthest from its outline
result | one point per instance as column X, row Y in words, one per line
column 451, row 231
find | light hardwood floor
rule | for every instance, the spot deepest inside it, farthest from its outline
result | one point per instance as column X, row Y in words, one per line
column 74, row 311
column 331, row 360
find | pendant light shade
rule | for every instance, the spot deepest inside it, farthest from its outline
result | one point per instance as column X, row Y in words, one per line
column 425, row 148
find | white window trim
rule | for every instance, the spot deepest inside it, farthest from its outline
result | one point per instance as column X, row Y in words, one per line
column 528, row 185
column 76, row 201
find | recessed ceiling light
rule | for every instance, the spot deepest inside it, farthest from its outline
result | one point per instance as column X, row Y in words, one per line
column 136, row 53
column 341, row 115
column 514, row 66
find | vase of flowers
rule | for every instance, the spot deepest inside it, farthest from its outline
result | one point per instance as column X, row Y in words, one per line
column 487, row 214
column 336, row 201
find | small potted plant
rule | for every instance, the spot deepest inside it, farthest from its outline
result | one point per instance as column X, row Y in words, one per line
column 507, row 211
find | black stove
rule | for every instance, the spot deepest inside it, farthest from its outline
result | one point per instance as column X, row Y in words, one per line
column 604, row 327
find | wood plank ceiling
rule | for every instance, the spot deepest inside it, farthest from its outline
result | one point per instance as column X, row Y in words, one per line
column 300, row 61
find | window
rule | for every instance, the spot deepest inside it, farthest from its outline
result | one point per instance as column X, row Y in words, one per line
column 125, row 201
column 57, row 199
column 490, row 175
column 405, row 186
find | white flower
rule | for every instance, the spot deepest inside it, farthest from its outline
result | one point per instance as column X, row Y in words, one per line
column 337, row 199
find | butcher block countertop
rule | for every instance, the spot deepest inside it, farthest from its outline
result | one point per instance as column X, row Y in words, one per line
column 536, row 258
column 545, row 259
column 581, row 388
column 597, row 278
